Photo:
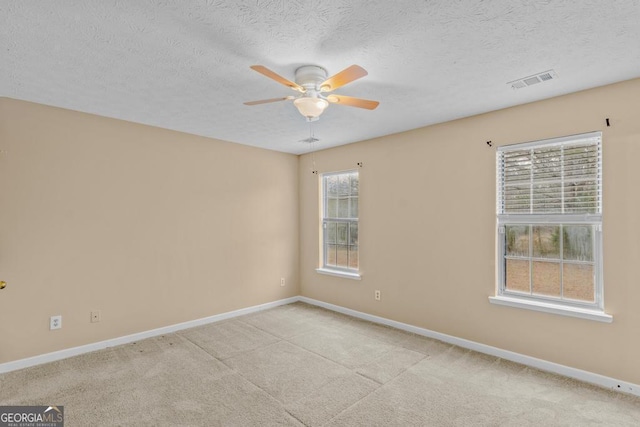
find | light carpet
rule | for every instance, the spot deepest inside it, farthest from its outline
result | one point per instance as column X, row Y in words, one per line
column 300, row 365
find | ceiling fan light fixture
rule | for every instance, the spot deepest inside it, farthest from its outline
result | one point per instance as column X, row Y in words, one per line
column 310, row 107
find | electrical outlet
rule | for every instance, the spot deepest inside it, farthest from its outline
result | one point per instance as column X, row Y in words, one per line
column 55, row 322
column 282, row 281
column 95, row 316
column 377, row 295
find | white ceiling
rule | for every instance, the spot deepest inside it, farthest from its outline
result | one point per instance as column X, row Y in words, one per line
column 184, row 65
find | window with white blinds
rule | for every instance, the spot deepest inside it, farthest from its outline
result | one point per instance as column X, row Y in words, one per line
column 549, row 215
column 340, row 192
column 560, row 176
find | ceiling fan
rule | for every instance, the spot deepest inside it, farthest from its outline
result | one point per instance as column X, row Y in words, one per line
column 312, row 83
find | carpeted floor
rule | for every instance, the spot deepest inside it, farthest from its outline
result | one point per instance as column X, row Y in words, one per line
column 301, row 365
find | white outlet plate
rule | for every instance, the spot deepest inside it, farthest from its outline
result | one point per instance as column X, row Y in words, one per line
column 282, row 281
column 95, row 316
column 55, row 322
column 377, row 295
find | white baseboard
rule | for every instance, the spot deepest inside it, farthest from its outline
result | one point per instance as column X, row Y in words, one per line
column 578, row 374
column 75, row 351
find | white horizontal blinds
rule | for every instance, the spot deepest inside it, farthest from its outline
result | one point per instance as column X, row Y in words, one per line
column 554, row 177
column 582, row 185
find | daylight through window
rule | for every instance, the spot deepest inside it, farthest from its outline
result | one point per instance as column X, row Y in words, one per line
column 340, row 221
column 550, row 221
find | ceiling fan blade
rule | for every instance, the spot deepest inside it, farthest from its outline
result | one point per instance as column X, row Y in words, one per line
column 277, row 77
column 266, row 101
column 353, row 102
column 345, row 76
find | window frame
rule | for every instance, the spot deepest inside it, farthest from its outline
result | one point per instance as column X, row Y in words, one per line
column 335, row 270
column 559, row 305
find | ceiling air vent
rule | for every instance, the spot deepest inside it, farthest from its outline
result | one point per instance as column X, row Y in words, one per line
column 533, row 80
column 309, row 140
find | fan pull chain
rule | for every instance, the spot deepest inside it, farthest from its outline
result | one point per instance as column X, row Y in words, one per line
column 312, row 148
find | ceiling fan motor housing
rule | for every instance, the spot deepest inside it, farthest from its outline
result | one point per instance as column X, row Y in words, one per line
column 310, row 77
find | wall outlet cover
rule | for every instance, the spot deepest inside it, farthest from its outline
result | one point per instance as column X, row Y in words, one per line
column 55, row 322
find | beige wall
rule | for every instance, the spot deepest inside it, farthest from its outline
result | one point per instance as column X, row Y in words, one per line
column 427, row 230
column 155, row 227
column 150, row 226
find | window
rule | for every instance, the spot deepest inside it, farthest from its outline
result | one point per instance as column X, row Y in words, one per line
column 549, row 218
column 340, row 224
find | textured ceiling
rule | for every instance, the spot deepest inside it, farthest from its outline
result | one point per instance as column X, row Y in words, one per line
column 184, row 65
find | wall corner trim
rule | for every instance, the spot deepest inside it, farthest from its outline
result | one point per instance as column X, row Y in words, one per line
column 543, row 365
column 88, row 348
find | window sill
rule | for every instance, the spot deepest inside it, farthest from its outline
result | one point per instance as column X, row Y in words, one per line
column 582, row 313
column 338, row 273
